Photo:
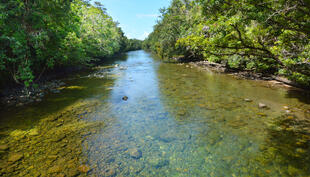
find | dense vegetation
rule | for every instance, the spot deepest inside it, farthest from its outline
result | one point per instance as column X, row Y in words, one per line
column 262, row 36
column 40, row 35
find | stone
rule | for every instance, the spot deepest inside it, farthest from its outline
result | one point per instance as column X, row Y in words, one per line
column 33, row 132
column 52, row 157
column 262, row 105
column 125, row 98
column 62, row 84
column 247, row 100
column 15, row 157
column 54, row 169
column 110, row 172
column 158, row 162
column 181, row 113
column 4, row 147
column 84, row 168
column 167, row 137
column 20, row 104
column 55, row 91
column 59, row 137
column 135, row 153
column 38, row 100
column 18, row 134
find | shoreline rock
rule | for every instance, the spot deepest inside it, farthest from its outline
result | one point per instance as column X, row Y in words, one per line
column 250, row 75
column 21, row 97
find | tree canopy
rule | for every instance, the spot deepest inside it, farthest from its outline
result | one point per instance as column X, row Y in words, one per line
column 38, row 35
column 263, row 36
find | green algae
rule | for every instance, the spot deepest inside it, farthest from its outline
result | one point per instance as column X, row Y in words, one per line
column 53, row 147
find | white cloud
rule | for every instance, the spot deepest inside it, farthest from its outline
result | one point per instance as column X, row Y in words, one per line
column 144, row 35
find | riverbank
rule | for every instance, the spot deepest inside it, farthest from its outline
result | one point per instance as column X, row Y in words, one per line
column 273, row 80
column 14, row 95
column 50, row 82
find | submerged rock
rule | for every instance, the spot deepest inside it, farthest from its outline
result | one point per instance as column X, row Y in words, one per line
column 4, row 147
column 58, row 138
column 38, row 100
column 167, row 137
column 84, row 168
column 110, row 172
column 33, row 132
column 125, row 98
column 55, row 91
column 20, row 104
column 247, row 100
column 15, row 157
column 158, row 162
column 18, row 134
column 262, row 105
column 54, row 169
column 135, row 153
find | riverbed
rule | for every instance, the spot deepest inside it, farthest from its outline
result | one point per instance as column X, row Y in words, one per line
column 177, row 121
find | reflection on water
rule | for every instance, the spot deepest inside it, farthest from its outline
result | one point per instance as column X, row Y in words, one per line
column 178, row 121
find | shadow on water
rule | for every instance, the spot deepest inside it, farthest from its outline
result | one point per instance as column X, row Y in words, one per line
column 301, row 95
column 289, row 143
column 231, row 132
column 78, row 87
column 54, row 130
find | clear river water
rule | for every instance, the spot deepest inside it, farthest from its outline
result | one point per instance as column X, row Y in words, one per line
column 177, row 121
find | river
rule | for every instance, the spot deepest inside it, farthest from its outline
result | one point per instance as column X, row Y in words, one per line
column 177, row 121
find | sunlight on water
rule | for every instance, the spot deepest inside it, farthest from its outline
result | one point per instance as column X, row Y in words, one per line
column 177, row 121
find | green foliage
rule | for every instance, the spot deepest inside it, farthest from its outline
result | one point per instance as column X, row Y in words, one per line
column 133, row 44
column 265, row 36
column 37, row 35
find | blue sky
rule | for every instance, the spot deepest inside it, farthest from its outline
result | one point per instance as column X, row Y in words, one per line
column 136, row 17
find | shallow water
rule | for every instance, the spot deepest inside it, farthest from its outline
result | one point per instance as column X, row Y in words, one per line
column 178, row 121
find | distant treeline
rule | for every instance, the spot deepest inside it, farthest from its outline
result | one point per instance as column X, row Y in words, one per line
column 262, row 36
column 39, row 35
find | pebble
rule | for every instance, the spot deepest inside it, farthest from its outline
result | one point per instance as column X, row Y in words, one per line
column 158, row 162
column 38, row 100
column 15, row 157
column 4, row 147
column 55, row 91
column 262, row 105
column 247, row 100
column 84, row 168
column 110, row 172
column 135, row 153
column 33, row 132
column 125, row 98
column 20, row 104
column 54, row 169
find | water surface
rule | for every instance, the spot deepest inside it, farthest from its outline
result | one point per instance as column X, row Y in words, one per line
column 177, row 121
